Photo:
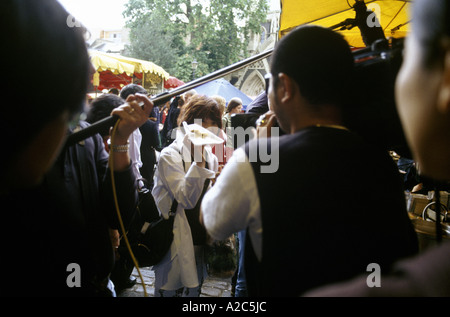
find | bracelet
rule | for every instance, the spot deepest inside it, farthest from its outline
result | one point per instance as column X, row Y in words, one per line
column 120, row 148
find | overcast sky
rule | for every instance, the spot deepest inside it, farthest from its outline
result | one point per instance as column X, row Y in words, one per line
column 97, row 14
column 106, row 14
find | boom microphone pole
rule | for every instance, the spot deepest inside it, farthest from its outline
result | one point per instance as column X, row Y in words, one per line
column 166, row 96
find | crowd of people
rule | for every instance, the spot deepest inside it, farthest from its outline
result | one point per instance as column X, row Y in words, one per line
column 312, row 227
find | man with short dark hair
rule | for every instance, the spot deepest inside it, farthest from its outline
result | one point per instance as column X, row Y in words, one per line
column 63, row 65
column 101, row 107
column 315, row 219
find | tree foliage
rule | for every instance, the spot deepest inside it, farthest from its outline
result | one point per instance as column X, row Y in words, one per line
column 172, row 33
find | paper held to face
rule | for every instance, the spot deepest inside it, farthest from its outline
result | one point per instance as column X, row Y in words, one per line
column 198, row 135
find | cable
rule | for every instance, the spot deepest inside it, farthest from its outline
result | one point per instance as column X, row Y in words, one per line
column 116, row 203
column 437, row 196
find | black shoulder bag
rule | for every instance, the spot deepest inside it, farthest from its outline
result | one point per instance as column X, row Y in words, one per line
column 152, row 238
column 152, row 235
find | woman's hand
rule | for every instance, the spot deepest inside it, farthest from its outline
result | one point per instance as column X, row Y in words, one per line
column 197, row 152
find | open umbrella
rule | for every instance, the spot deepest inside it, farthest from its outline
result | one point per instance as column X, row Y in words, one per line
column 172, row 82
column 373, row 115
column 393, row 16
column 223, row 88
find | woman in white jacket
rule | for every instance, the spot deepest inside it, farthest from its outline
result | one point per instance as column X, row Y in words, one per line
column 183, row 169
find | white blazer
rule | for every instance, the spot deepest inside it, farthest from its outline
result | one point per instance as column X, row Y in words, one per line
column 183, row 182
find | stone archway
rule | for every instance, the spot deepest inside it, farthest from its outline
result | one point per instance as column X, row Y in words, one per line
column 254, row 84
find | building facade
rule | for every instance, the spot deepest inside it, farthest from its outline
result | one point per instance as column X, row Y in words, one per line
column 250, row 80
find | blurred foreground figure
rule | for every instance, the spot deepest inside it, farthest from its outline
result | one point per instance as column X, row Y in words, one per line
column 423, row 101
column 56, row 200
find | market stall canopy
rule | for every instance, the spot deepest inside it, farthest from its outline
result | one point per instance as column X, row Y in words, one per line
column 103, row 62
column 119, row 64
column 117, row 71
column 142, row 66
column 173, row 82
column 392, row 14
column 223, row 88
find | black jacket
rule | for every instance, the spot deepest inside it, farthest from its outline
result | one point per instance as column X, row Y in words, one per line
column 65, row 220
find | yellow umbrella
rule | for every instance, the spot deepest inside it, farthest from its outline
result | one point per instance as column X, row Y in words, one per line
column 103, row 62
column 392, row 14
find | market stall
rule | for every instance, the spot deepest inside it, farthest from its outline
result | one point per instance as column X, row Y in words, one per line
column 116, row 71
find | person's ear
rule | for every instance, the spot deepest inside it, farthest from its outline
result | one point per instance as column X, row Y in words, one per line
column 285, row 87
column 444, row 91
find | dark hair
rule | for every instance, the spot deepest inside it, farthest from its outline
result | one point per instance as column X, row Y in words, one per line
column 131, row 89
column 431, row 22
column 319, row 60
column 234, row 103
column 200, row 107
column 46, row 68
column 101, row 108
column 114, row 91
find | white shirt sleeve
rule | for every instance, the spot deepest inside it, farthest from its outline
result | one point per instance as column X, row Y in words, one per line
column 232, row 204
column 172, row 182
column 134, row 151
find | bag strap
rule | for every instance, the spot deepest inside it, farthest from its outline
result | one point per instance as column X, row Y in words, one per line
column 173, row 209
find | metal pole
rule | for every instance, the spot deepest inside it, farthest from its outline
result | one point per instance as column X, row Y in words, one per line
column 166, row 96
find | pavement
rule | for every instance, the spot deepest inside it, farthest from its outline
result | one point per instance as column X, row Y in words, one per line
column 213, row 286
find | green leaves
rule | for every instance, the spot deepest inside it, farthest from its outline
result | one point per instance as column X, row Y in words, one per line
column 172, row 33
